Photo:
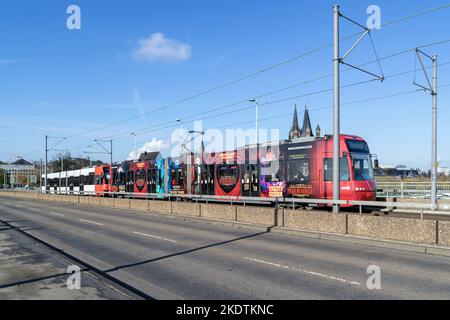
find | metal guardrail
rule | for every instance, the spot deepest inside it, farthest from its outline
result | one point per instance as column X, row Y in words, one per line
column 412, row 189
column 424, row 208
column 171, row 196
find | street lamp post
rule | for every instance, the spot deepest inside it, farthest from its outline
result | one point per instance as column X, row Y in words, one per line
column 90, row 155
column 256, row 120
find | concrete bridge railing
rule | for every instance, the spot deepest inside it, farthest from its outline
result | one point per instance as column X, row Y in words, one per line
column 432, row 232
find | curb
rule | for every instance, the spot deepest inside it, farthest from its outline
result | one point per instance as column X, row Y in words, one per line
column 373, row 242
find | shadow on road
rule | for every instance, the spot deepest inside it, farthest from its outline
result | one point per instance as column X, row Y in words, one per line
column 22, row 282
column 183, row 252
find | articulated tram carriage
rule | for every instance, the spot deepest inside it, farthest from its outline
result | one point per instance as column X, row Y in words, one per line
column 301, row 167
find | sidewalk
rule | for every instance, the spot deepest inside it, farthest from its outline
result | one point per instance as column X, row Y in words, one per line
column 29, row 272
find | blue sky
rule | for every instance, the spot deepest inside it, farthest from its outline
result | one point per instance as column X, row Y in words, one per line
column 64, row 82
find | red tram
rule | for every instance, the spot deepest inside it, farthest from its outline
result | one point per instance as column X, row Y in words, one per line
column 300, row 167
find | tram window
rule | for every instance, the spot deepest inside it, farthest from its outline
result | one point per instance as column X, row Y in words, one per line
column 106, row 175
column 255, row 181
column 173, row 177
column 246, row 181
column 151, row 181
column 298, row 170
column 150, row 174
column 130, row 177
column 159, row 178
column 180, row 177
column 362, row 167
column 91, row 179
column 357, row 146
column 328, row 169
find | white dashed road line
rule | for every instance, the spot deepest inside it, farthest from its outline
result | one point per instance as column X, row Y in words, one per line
column 34, row 209
column 92, row 222
column 155, row 237
column 312, row 273
column 57, row 214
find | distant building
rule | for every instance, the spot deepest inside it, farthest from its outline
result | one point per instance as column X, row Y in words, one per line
column 19, row 173
column 444, row 171
column 150, row 156
column 397, row 171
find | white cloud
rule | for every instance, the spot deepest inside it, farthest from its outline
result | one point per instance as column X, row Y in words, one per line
column 150, row 146
column 7, row 62
column 159, row 48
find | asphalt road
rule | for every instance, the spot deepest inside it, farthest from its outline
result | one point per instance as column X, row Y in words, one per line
column 30, row 271
column 173, row 258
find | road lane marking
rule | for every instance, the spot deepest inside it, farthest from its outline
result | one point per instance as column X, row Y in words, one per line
column 19, row 205
column 312, row 273
column 34, row 209
column 92, row 222
column 155, row 237
column 57, row 214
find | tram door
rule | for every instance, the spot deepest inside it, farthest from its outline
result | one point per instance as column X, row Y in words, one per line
column 71, row 184
column 151, row 180
column 130, row 182
column 250, row 180
column 208, row 180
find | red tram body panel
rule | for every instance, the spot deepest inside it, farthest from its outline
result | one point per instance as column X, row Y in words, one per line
column 139, row 175
column 103, row 180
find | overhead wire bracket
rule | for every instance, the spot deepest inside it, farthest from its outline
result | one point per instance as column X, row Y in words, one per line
column 418, row 57
column 366, row 33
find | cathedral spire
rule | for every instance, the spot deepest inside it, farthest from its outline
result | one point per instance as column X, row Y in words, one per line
column 306, row 129
column 295, row 131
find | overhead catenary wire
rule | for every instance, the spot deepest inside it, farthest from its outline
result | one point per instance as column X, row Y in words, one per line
column 274, row 66
column 253, row 74
column 360, row 101
column 170, row 124
column 392, row 55
column 355, row 102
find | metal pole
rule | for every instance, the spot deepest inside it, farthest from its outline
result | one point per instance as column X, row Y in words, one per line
column 67, row 176
column 257, row 135
column 40, row 177
column 90, row 155
column 111, row 149
column 257, row 130
column 135, row 146
column 336, row 112
column 45, row 168
column 60, row 174
column 434, row 162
